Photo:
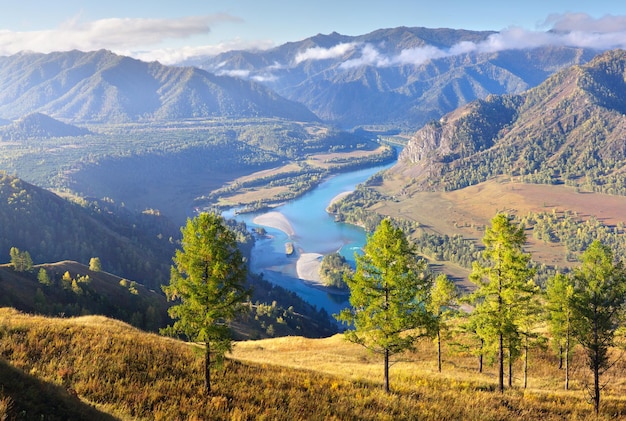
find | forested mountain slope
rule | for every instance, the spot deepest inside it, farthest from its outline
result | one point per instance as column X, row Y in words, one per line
column 51, row 229
column 71, row 289
column 135, row 252
column 100, row 86
column 570, row 129
column 398, row 77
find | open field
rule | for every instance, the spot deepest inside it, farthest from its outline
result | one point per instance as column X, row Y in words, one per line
column 97, row 368
column 245, row 190
column 469, row 210
column 329, row 160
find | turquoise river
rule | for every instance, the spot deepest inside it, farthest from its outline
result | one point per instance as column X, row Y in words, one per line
column 313, row 232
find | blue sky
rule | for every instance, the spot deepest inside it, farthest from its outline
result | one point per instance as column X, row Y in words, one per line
column 174, row 30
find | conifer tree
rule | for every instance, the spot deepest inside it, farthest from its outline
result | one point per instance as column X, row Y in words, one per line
column 502, row 280
column 442, row 297
column 559, row 293
column 528, row 317
column 207, row 283
column 389, row 292
column 20, row 260
column 597, row 308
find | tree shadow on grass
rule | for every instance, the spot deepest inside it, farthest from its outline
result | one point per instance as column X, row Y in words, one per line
column 31, row 398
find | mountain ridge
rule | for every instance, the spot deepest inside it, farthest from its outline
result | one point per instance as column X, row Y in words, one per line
column 100, row 86
column 38, row 125
column 575, row 120
column 401, row 77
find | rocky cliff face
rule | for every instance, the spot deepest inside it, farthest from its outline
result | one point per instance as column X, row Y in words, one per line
column 430, row 144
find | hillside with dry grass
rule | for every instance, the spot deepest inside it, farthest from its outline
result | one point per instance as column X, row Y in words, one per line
column 92, row 367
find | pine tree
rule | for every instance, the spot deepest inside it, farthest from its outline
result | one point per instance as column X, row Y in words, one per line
column 207, row 282
column 389, row 291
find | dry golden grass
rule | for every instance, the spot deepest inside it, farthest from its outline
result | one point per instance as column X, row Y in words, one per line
column 325, row 160
column 469, row 210
column 132, row 375
column 413, row 372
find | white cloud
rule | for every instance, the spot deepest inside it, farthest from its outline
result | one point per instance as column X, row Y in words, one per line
column 419, row 55
column 114, row 34
column 240, row 73
column 264, row 78
column 169, row 56
column 369, row 57
column 573, row 30
column 581, row 22
column 320, row 53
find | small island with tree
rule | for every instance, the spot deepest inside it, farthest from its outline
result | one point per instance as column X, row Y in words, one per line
column 332, row 270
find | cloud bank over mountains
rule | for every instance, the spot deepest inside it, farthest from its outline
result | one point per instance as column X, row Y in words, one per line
column 134, row 37
column 573, row 30
column 141, row 38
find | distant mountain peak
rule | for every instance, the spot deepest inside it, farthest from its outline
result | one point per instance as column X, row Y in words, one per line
column 38, row 125
column 394, row 77
column 100, row 86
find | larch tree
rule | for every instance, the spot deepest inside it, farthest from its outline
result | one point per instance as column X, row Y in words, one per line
column 559, row 293
column 207, row 282
column 389, row 293
column 443, row 296
column 470, row 328
column 502, row 279
column 95, row 264
column 597, row 309
column 20, row 260
column 527, row 319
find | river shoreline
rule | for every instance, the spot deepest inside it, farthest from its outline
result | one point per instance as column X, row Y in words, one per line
column 306, row 224
column 275, row 220
column 308, row 264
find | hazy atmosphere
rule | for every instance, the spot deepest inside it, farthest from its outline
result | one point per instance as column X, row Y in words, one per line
column 172, row 32
column 323, row 210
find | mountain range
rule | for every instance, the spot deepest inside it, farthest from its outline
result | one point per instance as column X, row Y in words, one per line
column 102, row 87
column 569, row 129
column 398, row 78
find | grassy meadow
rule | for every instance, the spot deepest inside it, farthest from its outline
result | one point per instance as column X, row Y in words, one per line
column 97, row 368
column 467, row 211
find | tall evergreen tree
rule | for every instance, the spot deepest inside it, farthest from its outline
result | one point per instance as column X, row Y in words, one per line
column 559, row 293
column 207, row 282
column 442, row 297
column 502, row 280
column 597, row 308
column 389, row 291
column 527, row 318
